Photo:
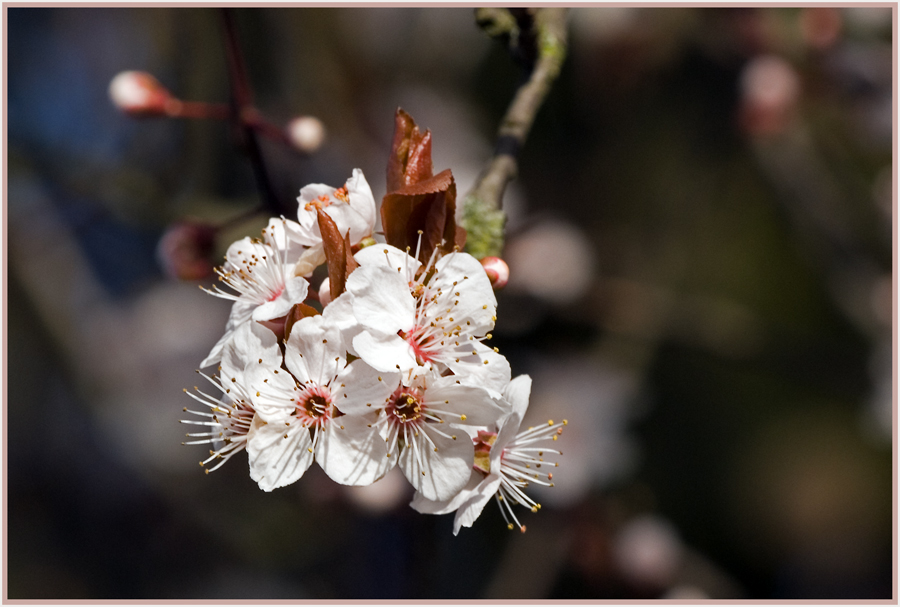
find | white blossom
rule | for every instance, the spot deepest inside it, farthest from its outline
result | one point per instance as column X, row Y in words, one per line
column 231, row 414
column 302, row 411
column 351, row 207
column 410, row 315
column 262, row 278
column 420, row 421
column 506, row 462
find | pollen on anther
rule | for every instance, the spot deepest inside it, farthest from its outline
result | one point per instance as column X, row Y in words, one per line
column 510, row 526
column 309, row 449
column 462, row 417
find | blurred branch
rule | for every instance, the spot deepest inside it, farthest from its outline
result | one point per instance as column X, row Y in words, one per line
column 244, row 113
column 482, row 214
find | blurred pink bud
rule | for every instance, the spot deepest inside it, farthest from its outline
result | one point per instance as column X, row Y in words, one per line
column 139, row 94
column 821, row 26
column 306, row 133
column 497, row 271
column 185, row 249
column 770, row 90
column 325, row 292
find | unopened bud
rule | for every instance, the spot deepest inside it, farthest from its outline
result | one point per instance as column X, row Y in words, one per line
column 497, row 271
column 306, row 133
column 185, row 249
column 139, row 94
column 325, row 292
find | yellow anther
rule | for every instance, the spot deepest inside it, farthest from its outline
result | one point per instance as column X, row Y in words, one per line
column 550, row 422
column 462, row 417
column 510, row 526
column 565, row 422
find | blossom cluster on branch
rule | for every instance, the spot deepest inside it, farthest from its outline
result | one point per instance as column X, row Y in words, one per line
column 385, row 363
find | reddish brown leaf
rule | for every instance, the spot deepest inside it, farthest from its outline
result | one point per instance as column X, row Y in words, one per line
column 335, row 254
column 418, row 164
column 350, row 261
column 298, row 311
column 410, row 159
column 439, row 183
column 428, row 206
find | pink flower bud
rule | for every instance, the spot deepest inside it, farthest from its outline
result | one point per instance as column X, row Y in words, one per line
column 497, row 271
column 306, row 133
column 185, row 249
column 770, row 91
column 325, row 292
column 139, row 94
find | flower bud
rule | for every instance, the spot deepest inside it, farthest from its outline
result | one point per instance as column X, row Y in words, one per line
column 306, row 133
column 139, row 94
column 185, row 249
column 770, row 91
column 497, row 271
column 325, row 292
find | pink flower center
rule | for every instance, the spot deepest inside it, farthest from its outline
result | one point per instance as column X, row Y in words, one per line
column 314, row 405
column 405, row 406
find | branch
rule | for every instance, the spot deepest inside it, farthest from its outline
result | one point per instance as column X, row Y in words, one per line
column 483, row 217
column 245, row 114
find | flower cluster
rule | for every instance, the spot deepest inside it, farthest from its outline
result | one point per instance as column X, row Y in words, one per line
column 385, row 364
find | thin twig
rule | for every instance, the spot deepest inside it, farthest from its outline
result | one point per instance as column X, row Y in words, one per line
column 485, row 199
column 244, row 112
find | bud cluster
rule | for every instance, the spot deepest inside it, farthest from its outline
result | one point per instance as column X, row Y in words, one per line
column 384, row 363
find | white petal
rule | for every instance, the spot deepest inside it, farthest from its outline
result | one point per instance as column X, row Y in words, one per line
column 474, row 403
column 359, row 389
column 278, row 235
column 476, row 301
column 446, row 471
column 384, row 352
column 351, row 453
column 469, row 511
column 279, row 455
column 312, row 348
column 472, row 370
column 427, row 506
column 271, row 390
column 517, row 394
column 362, row 201
column 381, row 299
column 251, row 342
column 389, row 257
column 295, row 289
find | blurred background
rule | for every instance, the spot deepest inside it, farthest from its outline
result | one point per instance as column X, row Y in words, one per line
column 700, row 254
